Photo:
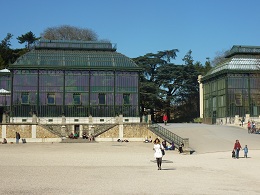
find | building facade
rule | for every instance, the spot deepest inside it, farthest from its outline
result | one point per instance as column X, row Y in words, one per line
column 232, row 88
column 72, row 79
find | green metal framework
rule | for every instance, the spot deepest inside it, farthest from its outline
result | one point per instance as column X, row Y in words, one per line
column 5, row 89
column 233, row 86
column 67, row 55
column 76, row 79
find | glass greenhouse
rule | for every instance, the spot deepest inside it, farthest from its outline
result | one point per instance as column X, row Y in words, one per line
column 233, row 86
column 74, row 79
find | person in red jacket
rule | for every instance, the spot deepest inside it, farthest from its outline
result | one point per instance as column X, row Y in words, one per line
column 249, row 127
column 165, row 119
column 237, row 148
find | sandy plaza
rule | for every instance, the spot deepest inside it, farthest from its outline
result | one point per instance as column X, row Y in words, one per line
column 130, row 168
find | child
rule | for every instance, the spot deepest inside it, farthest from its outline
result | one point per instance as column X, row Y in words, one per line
column 245, row 151
column 233, row 153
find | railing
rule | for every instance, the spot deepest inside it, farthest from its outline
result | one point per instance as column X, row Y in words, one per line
column 166, row 134
column 104, row 127
column 66, row 44
column 55, row 129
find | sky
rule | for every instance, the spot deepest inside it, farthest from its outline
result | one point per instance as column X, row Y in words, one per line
column 138, row 27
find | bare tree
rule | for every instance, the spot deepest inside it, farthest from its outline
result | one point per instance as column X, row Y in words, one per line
column 67, row 32
column 220, row 57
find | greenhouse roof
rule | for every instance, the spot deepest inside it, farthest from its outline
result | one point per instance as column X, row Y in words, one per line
column 242, row 49
column 78, row 45
column 244, row 63
column 243, row 59
column 5, row 72
column 74, row 54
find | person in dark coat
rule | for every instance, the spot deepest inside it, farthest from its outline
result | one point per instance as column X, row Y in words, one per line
column 17, row 137
column 180, row 148
column 237, row 148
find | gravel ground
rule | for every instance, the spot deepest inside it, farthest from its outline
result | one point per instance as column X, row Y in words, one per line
column 122, row 168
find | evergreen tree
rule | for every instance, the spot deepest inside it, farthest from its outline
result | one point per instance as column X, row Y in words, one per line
column 8, row 55
column 28, row 38
column 5, row 51
column 149, row 87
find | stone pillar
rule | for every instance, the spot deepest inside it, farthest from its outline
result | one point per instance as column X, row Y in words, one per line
column 149, row 119
column 4, row 119
column 237, row 122
column 3, row 131
column 247, row 118
column 90, row 119
column 63, row 120
column 34, row 119
column 186, row 143
column 201, row 95
column 63, row 126
column 91, row 126
column 143, row 119
column 33, row 131
column 121, row 127
column 117, row 120
column 63, row 131
column 80, row 130
column 7, row 118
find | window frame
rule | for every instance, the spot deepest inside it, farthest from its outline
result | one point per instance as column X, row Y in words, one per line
column 125, row 102
column 49, row 95
column 23, row 94
column 76, row 95
column 100, row 95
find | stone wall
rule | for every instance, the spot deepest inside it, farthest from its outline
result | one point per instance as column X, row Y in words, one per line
column 136, row 130
column 133, row 132
column 43, row 133
column 111, row 133
column 130, row 131
column 24, row 130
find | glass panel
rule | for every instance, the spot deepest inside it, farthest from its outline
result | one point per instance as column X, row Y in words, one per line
column 254, row 110
column 25, row 98
column 102, row 99
column 77, row 99
column 126, row 98
column 214, row 103
column 51, row 98
column 238, row 99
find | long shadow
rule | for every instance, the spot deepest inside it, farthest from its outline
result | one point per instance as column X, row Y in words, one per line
column 163, row 161
column 168, row 169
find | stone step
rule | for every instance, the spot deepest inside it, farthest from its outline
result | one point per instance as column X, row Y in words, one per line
column 79, row 140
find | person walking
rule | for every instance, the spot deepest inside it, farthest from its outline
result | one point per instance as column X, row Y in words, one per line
column 249, row 127
column 17, row 137
column 245, row 151
column 158, row 152
column 165, row 119
column 181, row 148
column 237, row 148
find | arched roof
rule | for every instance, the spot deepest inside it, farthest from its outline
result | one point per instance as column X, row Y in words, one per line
column 238, row 62
column 74, row 55
column 242, row 59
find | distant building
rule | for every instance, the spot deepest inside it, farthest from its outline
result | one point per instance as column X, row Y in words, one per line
column 232, row 88
column 71, row 79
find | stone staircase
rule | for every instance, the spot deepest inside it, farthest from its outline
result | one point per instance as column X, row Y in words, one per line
column 170, row 137
column 53, row 128
column 102, row 129
column 78, row 140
